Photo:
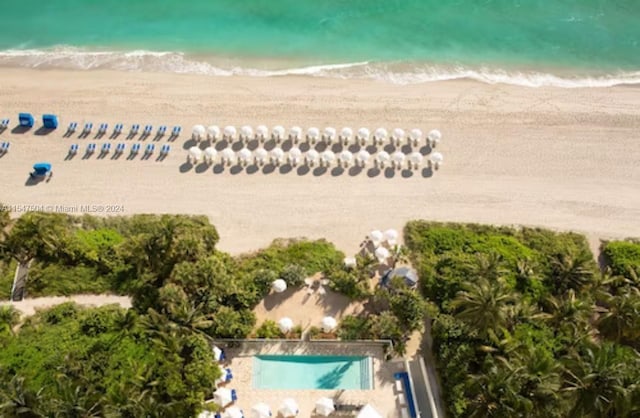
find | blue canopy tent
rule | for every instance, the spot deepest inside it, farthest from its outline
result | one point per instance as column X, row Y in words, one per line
column 41, row 169
column 26, row 120
column 408, row 275
column 50, row 121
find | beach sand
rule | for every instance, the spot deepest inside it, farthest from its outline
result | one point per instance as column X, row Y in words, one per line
column 567, row 159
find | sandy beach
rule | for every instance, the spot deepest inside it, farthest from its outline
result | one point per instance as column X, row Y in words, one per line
column 567, row 159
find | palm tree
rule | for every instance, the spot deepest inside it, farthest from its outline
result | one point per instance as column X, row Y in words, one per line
column 19, row 401
column 620, row 320
column 571, row 272
column 542, row 383
column 487, row 266
column 483, row 304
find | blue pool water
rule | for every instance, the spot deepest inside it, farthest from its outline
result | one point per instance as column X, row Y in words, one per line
column 311, row 372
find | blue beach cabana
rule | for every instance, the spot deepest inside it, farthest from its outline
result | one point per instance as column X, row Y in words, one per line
column 50, row 121
column 26, row 120
column 41, row 169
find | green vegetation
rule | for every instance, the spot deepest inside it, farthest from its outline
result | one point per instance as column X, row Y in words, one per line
column 526, row 324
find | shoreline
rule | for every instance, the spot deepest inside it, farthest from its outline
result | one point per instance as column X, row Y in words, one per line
column 556, row 158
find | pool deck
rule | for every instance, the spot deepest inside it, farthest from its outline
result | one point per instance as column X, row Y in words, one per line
column 381, row 397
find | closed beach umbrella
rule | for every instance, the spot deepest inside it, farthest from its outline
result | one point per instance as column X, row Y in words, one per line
column 368, row 411
column 227, row 155
column 262, row 132
column 225, row 375
column 434, row 137
column 329, row 323
column 285, row 324
column 381, row 254
column 295, row 133
column 218, row 354
column 416, row 158
column 261, row 155
column 195, row 153
column 398, row 158
column 380, row 134
column 328, row 157
column 294, row 155
column 416, row 136
column 260, row 410
column 279, row 285
column 363, row 156
column 246, row 132
column 213, row 132
column 398, row 134
column 312, row 156
column 391, row 236
column 210, row 153
column 222, row 396
column 325, row 406
column 289, row 408
column 230, row 132
column 198, row 132
column 376, row 237
column 350, row 262
column 346, row 157
column 346, row 134
column 244, row 155
column 232, row 412
column 383, row 157
column 436, row 158
column 363, row 135
column 329, row 133
column 276, row 155
column 278, row 132
column 313, row 134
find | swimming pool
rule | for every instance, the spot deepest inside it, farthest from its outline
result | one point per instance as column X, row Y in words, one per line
column 312, row 372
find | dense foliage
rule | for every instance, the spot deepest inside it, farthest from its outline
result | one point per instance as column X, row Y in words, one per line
column 527, row 325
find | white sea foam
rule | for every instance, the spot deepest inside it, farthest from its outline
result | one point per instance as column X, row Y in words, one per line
column 66, row 57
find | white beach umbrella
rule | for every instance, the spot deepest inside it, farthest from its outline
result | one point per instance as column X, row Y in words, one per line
column 213, row 132
column 312, row 156
column 227, row 155
column 329, row 323
column 398, row 158
column 368, row 411
column 363, row 156
column 195, row 153
column 230, row 132
column 313, row 134
column 398, row 134
column 434, row 137
column 277, row 154
column 363, row 135
column 210, row 153
column 289, row 408
column 260, row 410
column 222, row 396
column 381, row 254
column 376, row 237
column 328, row 157
column 217, row 353
column 350, row 262
column 436, row 158
column 295, row 133
column 329, row 134
column 416, row 136
column 262, row 132
column 223, row 375
column 346, row 134
column 416, row 158
column 232, row 412
column 278, row 132
column 285, row 324
column 279, row 285
column 198, row 132
column 261, row 155
column 244, row 155
column 294, row 155
column 391, row 236
column 206, row 414
column 383, row 157
column 325, row 406
column 380, row 134
column 246, row 132
column 346, row 157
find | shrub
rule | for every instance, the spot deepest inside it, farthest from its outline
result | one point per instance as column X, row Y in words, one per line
column 293, row 275
column 622, row 257
column 269, row 329
column 349, row 282
column 353, row 327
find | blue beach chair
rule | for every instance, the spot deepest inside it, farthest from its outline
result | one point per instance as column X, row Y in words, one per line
column 118, row 128
column 150, row 149
column 106, row 147
column 120, row 148
column 72, row 127
column 176, row 130
column 4, row 124
column 165, row 149
column 148, row 129
column 135, row 148
column 103, row 128
column 88, row 127
column 73, row 149
column 228, row 376
column 234, row 395
column 4, row 147
column 162, row 130
column 91, row 148
column 135, row 128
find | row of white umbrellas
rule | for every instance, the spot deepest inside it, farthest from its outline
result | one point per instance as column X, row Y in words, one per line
column 329, row 134
column 390, row 236
column 289, row 408
column 295, row 156
column 329, row 323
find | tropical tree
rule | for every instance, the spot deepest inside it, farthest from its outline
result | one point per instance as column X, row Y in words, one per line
column 9, row 318
column 483, row 304
column 620, row 320
column 570, row 271
column 17, row 400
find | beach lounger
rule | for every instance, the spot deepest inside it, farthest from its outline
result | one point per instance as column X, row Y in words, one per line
column 120, row 148
column 73, row 149
column 162, row 130
column 150, row 148
column 88, row 127
column 165, row 149
column 148, row 129
column 399, row 386
column 91, row 148
column 72, row 127
column 106, row 147
column 4, row 124
column 103, row 128
column 234, row 395
column 135, row 148
column 5, row 147
column 176, row 130
column 404, row 413
column 135, row 128
column 402, row 400
column 217, row 415
column 118, row 128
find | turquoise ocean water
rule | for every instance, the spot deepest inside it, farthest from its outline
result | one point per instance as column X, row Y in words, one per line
column 531, row 42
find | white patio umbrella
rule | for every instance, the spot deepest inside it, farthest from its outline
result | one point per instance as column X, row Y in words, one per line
column 325, row 406
column 227, row 155
column 261, row 155
column 198, row 132
column 350, row 262
column 278, row 132
column 232, row 412
column 398, row 158
column 416, row 159
column 416, row 136
column 346, row 157
column 289, row 408
column 380, row 135
column 313, row 134
column 210, row 153
column 363, row 157
column 223, row 375
column 279, row 285
column 277, row 154
column 195, row 153
column 295, row 133
column 329, row 134
column 312, row 156
column 262, row 132
column 294, row 155
column 376, row 237
column 222, row 396
column 381, row 254
column 244, row 155
column 398, row 134
column 436, row 158
column 246, row 132
column 285, row 325
column 434, row 137
column 383, row 157
column 230, row 132
column 213, row 132
column 368, row 411
column 346, row 134
column 391, row 236
column 260, row 410
column 328, row 157
column 217, row 353
column 329, row 323
column 363, row 135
